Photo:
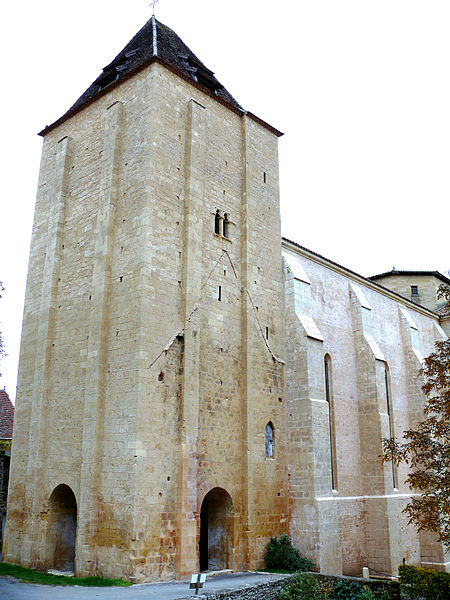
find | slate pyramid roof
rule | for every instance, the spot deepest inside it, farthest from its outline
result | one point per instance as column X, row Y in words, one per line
column 155, row 41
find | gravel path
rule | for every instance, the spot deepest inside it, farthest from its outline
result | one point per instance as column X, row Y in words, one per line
column 12, row 589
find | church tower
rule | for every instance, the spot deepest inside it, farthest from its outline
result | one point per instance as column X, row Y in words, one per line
column 149, row 438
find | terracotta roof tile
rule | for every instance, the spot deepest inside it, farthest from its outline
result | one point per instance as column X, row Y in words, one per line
column 6, row 415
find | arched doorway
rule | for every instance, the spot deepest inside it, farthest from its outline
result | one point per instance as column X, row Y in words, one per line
column 216, row 531
column 62, row 528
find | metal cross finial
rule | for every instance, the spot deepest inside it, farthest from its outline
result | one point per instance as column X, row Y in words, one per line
column 152, row 4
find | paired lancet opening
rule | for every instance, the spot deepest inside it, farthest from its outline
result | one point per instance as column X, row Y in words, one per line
column 222, row 224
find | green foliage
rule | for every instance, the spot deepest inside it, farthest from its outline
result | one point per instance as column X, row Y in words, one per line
column 425, row 584
column 303, row 586
column 47, row 578
column 281, row 554
column 426, row 447
column 366, row 594
column 348, row 590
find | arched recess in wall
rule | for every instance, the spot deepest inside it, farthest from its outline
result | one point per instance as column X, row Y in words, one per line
column 390, row 413
column 331, row 419
column 269, row 440
column 61, row 529
column 216, row 531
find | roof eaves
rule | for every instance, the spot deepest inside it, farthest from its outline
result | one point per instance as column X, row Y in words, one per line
column 385, row 290
column 264, row 124
column 71, row 112
column 396, row 272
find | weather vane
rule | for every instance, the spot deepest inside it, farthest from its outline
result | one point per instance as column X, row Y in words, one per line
column 152, row 4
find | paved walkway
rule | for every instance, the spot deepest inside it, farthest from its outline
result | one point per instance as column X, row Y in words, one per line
column 11, row 589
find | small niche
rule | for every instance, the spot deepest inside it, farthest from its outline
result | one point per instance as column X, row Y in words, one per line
column 168, row 478
column 161, row 376
column 121, row 278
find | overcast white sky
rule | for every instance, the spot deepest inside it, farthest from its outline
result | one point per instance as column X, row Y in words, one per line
column 361, row 89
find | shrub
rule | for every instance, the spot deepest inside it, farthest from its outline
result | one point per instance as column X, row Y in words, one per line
column 281, row 554
column 303, row 586
column 424, row 583
column 348, row 590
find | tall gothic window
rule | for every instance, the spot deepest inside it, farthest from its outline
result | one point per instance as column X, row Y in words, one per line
column 269, row 440
column 387, row 384
column 331, row 423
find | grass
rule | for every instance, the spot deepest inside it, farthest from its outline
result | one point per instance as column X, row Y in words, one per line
column 32, row 576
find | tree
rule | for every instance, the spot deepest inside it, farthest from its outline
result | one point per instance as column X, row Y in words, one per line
column 426, row 449
column 2, row 346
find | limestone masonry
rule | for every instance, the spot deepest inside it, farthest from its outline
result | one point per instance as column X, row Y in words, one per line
column 190, row 384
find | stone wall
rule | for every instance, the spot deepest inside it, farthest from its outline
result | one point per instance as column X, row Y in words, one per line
column 149, row 367
column 375, row 343
column 263, row 591
column 271, row 589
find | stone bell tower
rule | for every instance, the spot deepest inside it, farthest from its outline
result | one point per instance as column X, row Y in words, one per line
column 149, row 438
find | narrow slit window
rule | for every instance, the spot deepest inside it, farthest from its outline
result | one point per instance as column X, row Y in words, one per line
column 217, row 223
column 391, row 420
column 269, row 440
column 265, row 177
column 219, row 294
column 267, row 333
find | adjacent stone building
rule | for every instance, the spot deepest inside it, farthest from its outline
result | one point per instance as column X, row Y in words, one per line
column 6, row 430
column 420, row 286
column 190, row 383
